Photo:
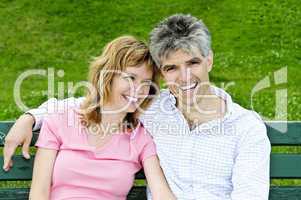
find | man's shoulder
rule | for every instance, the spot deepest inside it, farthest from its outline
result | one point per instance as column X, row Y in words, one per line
column 158, row 105
column 159, row 100
column 245, row 120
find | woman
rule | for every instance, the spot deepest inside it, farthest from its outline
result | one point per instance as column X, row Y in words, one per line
column 94, row 152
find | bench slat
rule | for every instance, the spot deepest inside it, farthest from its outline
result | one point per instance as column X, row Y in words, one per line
column 136, row 193
column 282, row 166
column 5, row 127
column 292, row 136
column 285, row 166
column 22, row 170
column 285, row 193
column 14, row 194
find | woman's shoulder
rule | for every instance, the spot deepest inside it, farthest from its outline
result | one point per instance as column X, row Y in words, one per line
column 140, row 134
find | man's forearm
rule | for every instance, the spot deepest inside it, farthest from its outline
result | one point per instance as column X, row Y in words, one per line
column 51, row 106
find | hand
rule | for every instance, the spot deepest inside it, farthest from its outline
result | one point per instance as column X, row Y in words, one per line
column 20, row 133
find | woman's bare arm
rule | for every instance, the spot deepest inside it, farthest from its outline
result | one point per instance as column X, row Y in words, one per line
column 156, row 180
column 42, row 174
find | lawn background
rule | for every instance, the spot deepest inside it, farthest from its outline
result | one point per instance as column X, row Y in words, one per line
column 251, row 39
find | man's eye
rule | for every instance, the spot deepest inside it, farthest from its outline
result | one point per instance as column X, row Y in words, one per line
column 194, row 63
column 169, row 69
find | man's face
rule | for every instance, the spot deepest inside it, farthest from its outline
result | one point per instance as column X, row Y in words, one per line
column 187, row 74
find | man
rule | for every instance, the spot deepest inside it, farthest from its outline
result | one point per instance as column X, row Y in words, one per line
column 209, row 147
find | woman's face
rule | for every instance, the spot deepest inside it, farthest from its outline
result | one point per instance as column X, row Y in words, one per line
column 130, row 88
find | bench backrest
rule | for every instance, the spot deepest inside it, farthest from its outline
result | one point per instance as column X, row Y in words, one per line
column 283, row 165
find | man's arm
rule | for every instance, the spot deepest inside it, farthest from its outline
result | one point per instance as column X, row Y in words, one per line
column 51, row 106
column 251, row 172
column 21, row 131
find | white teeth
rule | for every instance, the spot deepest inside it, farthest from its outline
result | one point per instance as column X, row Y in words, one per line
column 131, row 99
column 188, row 87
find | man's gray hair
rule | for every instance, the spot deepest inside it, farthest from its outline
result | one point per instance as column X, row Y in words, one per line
column 179, row 32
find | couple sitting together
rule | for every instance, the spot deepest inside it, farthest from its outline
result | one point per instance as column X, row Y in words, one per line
column 192, row 141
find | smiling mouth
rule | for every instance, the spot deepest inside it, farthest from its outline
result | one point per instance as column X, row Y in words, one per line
column 130, row 99
column 189, row 87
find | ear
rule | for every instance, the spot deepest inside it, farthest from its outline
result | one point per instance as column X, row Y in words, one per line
column 209, row 61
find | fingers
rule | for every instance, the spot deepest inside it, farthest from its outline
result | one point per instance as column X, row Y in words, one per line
column 25, row 147
column 8, row 151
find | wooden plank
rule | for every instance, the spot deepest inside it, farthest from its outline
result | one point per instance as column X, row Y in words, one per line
column 136, row 193
column 290, row 136
column 285, row 193
column 282, row 166
column 5, row 127
column 140, row 175
column 285, row 166
column 14, row 193
column 22, row 170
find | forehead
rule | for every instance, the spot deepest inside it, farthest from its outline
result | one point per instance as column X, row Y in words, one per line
column 143, row 71
column 180, row 56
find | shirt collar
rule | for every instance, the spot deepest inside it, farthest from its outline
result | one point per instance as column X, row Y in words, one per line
column 135, row 130
column 218, row 92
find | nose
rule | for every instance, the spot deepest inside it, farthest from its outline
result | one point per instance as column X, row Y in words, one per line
column 134, row 88
column 185, row 74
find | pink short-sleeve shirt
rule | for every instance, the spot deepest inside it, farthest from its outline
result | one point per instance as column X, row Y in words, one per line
column 82, row 171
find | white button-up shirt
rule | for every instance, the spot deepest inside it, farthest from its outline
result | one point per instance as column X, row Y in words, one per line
column 222, row 159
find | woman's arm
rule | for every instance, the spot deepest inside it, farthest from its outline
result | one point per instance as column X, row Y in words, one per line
column 42, row 174
column 156, row 180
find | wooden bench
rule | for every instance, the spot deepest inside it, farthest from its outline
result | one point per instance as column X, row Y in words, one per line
column 282, row 166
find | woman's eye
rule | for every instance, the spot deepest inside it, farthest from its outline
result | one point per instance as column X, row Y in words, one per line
column 130, row 78
column 147, row 84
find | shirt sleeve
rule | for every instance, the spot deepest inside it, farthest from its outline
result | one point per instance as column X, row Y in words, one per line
column 251, row 171
column 51, row 106
column 49, row 136
column 148, row 149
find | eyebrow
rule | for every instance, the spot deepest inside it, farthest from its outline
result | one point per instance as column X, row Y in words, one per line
column 195, row 59
column 132, row 74
column 129, row 74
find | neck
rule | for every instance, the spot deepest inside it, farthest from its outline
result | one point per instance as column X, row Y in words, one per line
column 112, row 119
column 203, row 95
column 207, row 106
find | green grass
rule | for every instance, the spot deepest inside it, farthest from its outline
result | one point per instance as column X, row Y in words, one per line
column 251, row 40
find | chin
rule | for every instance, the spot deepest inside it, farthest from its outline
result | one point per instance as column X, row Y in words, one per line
column 189, row 102
column 131, row 109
